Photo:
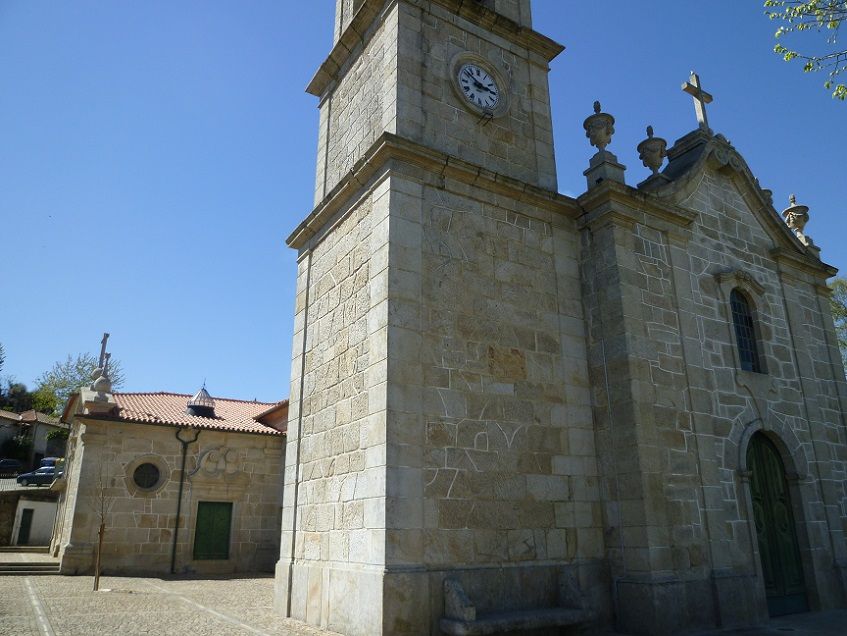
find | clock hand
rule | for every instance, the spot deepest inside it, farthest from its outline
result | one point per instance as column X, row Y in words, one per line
column 482, row 86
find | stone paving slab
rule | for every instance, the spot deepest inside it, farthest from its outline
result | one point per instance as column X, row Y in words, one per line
column 67, row 606
column 27, row 557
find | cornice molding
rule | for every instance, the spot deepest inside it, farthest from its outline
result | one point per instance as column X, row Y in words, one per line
column 504, row 27
column 357, row 34
column 612, row 201
column 803, row 262
column 354, row 35
column 389, row 147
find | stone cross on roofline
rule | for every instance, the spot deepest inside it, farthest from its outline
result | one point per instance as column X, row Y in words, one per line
column 100, row 377
column 701, row 98
column 103, row 350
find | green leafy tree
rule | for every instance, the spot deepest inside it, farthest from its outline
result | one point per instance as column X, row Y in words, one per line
column 822, row 16
column 45, row 401
column 838, row 303
column 15, row 397
column 68, row 376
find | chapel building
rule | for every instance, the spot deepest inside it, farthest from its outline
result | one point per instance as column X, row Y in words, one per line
column 165, row 483
column 513, row 410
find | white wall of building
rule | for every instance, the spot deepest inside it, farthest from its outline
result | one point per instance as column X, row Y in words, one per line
column 44, row 514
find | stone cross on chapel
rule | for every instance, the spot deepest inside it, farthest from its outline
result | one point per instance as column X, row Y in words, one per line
column 102, row 358
column 701, row 98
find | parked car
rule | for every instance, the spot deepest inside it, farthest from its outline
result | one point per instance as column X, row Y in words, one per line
column 10, row 467
column 43, row 476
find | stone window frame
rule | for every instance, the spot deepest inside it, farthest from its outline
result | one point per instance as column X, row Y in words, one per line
column 753, row 292
column 164, row 474
column 743, row 312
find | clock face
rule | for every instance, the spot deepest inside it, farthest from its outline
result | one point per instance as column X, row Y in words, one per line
column 478, row 87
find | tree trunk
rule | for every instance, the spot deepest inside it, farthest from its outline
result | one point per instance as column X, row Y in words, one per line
column 100, row 534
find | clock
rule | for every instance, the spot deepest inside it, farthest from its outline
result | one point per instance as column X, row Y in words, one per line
column 478, row 86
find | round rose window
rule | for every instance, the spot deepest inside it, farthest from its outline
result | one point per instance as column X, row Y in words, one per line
column 146, row 476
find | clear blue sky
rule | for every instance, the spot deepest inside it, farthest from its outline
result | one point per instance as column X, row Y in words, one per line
column 154, row 156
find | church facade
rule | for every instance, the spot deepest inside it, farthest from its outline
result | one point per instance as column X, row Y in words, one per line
column 511, row 409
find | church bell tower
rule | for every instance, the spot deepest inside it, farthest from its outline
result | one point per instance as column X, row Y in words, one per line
column 440, row 453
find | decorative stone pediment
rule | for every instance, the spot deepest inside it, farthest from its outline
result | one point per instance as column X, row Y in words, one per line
column 725, row 157
column 697, row 152
column 739, row 278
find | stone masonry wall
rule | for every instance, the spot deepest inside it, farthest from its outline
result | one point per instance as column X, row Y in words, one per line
column 431, row 112
column 516, row 10
column 675, row 412
column 337, row 419
column 492, row 473
column 360, row 108
column 798, row 400
column 399, row 82
column 505, row 409
column 240, row 468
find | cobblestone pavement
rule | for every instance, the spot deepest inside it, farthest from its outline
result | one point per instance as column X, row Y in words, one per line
column 66, row 606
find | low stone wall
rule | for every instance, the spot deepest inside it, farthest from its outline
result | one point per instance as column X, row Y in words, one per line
column 9, row 504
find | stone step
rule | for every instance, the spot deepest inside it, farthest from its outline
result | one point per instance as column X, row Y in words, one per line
column 53, row 572
column 22, row 565
column 41, row 549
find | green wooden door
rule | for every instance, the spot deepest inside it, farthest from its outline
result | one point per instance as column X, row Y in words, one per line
column 775, row 529
column 211, row 535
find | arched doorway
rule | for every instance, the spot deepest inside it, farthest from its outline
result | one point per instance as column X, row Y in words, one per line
column 775, row 529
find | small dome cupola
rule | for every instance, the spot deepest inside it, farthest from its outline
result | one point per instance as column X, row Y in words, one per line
column 201, row 404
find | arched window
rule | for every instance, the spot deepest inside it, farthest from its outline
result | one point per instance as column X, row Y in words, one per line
column 745, row 332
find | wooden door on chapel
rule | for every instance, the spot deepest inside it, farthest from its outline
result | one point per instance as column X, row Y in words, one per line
column 775, row 529
column 212, row 533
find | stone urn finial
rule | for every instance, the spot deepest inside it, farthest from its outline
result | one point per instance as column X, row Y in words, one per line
column 652, row 151
column 796, row 216
column 599, row 128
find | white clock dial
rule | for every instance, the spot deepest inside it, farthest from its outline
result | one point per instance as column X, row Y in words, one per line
column 478, row 87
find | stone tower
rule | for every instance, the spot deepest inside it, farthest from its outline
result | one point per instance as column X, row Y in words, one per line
column 504, row 399
column 440, row 413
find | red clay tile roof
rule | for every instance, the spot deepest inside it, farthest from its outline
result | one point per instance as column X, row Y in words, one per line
column 9, row 415
column 169, row 408
column 36, row 416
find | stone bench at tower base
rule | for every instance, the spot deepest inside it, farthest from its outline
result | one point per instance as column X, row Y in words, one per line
column 461, row 619
column 518, row 622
